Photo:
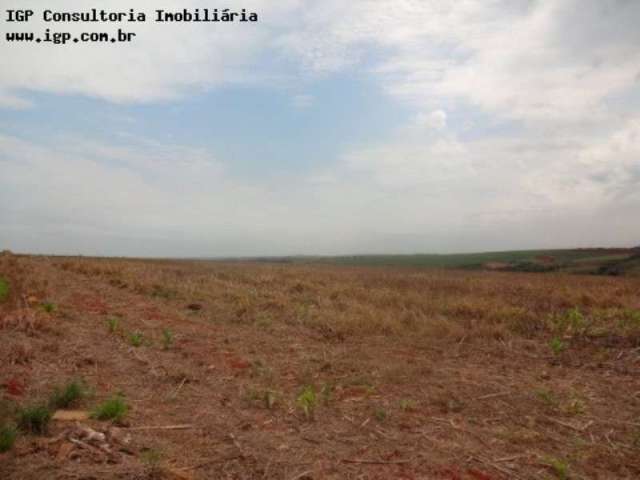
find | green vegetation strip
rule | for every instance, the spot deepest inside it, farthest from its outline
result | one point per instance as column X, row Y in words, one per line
column 4, row 289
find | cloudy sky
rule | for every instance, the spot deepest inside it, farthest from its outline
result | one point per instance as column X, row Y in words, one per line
column 329, row 127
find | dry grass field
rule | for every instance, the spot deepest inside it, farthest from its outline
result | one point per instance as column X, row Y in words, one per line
column 206, row 370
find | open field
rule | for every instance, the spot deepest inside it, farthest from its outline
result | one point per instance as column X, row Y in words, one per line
column 594, row 261
column 297, row 371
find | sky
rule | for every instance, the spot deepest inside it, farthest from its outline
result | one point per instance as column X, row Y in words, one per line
column 328, row 127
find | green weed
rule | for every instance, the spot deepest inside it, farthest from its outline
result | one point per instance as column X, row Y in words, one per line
column 49, row 307
column 4, row 289
column 8, row 435
column 572, row 322
column 307, row 401
column 68, row 395
column 560, row 468
column 34, row 419
column 380, row 414
column 113, row 324
column 136, row 339
column 152, row 459
column 557, row 345
column 115, row 409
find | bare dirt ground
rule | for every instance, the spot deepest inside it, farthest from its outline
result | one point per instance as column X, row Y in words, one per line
column 408, row 374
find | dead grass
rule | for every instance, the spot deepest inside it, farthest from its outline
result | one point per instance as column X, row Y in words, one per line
column 309, row 371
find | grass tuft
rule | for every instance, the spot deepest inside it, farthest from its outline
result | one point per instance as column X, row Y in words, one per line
column 49, row 307
column 557, row 345
column 8, row 435
column 307, row 401
column 34, row 419
column 560, row 468
column 68, row 395
column 113, row 324
column 136, row 339
column 115, row 409
column 380, row 414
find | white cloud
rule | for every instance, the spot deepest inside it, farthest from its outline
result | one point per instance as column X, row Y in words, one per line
column 436, row 120
column 568, row 166
column 146, row 198
column 545, row 60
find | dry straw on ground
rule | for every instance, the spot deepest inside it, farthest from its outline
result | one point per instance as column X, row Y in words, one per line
column 305, row 371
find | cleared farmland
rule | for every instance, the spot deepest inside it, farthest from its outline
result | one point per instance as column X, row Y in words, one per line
column 256, row 370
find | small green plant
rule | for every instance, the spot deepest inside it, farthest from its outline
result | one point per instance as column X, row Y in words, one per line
column 115, row 408
column 4, row 289
column 574, row 317
column 8, row 435
column 557, row 345
column 136, row 339
column 380, row 414
column 49, row 307
column 34, row 419
column 560, row 468
column 167, row 338
column 571, row 322
column 307, row 401
column 113, row 324
column 68, row 395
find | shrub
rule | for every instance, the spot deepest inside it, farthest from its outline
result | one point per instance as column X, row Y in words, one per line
column 34, row 419
column 115, row 408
